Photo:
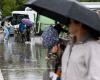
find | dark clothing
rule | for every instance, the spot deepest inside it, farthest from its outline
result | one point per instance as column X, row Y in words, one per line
column 60, row 29
column 21, row 27
column 27, row 34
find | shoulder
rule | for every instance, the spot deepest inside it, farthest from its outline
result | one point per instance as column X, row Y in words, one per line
column 93, row 43
column 94, row 46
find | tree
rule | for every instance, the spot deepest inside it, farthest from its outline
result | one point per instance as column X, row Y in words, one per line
column 90, row 0
column 10, row 5
column 20, row 3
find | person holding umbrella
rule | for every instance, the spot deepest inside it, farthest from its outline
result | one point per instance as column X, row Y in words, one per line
column 6, row 30
column 22, row 28
column 51, row 39
column 28, row 24
column 81, row 59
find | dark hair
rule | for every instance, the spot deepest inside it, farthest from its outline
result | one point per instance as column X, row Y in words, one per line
column 58, row 27
column 93, row 33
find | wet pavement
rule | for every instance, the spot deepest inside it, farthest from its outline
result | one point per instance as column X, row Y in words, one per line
column 20, row 61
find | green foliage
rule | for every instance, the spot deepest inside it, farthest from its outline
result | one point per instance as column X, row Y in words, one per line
column 20, row 3
column 90, row 0
column 8, row 6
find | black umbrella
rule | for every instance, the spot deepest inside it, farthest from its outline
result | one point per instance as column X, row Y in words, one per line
column 61, row 10
column 9, row 18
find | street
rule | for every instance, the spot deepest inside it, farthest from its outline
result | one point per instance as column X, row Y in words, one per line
column 20, row 61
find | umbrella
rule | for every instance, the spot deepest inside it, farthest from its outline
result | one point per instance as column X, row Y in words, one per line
column 9, row 18
column 27, row 22
column 50, row 37
column 61, row 10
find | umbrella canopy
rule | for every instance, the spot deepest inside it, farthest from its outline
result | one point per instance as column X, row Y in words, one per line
column 61, row 10
column 27, row 22
column 9, row 18
column 50, row 37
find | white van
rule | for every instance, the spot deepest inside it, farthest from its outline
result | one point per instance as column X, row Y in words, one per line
column 19, row 15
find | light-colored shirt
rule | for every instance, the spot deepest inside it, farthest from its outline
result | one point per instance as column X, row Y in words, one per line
column 83, row 63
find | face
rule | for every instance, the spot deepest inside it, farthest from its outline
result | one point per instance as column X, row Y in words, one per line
column 73, row 27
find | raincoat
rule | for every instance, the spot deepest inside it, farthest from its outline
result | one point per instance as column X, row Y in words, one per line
column 82, row 62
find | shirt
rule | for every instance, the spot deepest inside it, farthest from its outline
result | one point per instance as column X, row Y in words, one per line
column 83, row 63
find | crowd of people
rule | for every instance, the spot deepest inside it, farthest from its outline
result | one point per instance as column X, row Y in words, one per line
column 21, row 33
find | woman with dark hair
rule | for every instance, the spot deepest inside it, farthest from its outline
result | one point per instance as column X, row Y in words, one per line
column 81, row 58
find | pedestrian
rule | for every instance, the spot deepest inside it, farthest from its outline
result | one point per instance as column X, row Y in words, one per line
column 51, row 39
column 81, row 58
column 22, row 28
column 58, row 50
column 6, row 30
column 28, row 33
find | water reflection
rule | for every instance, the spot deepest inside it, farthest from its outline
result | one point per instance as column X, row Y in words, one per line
column 22, row 61
column 7, row 51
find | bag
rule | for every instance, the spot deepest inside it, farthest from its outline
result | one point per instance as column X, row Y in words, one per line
column 50, row 37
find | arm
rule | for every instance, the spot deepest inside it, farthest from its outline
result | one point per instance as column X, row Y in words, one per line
column 94, row 66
